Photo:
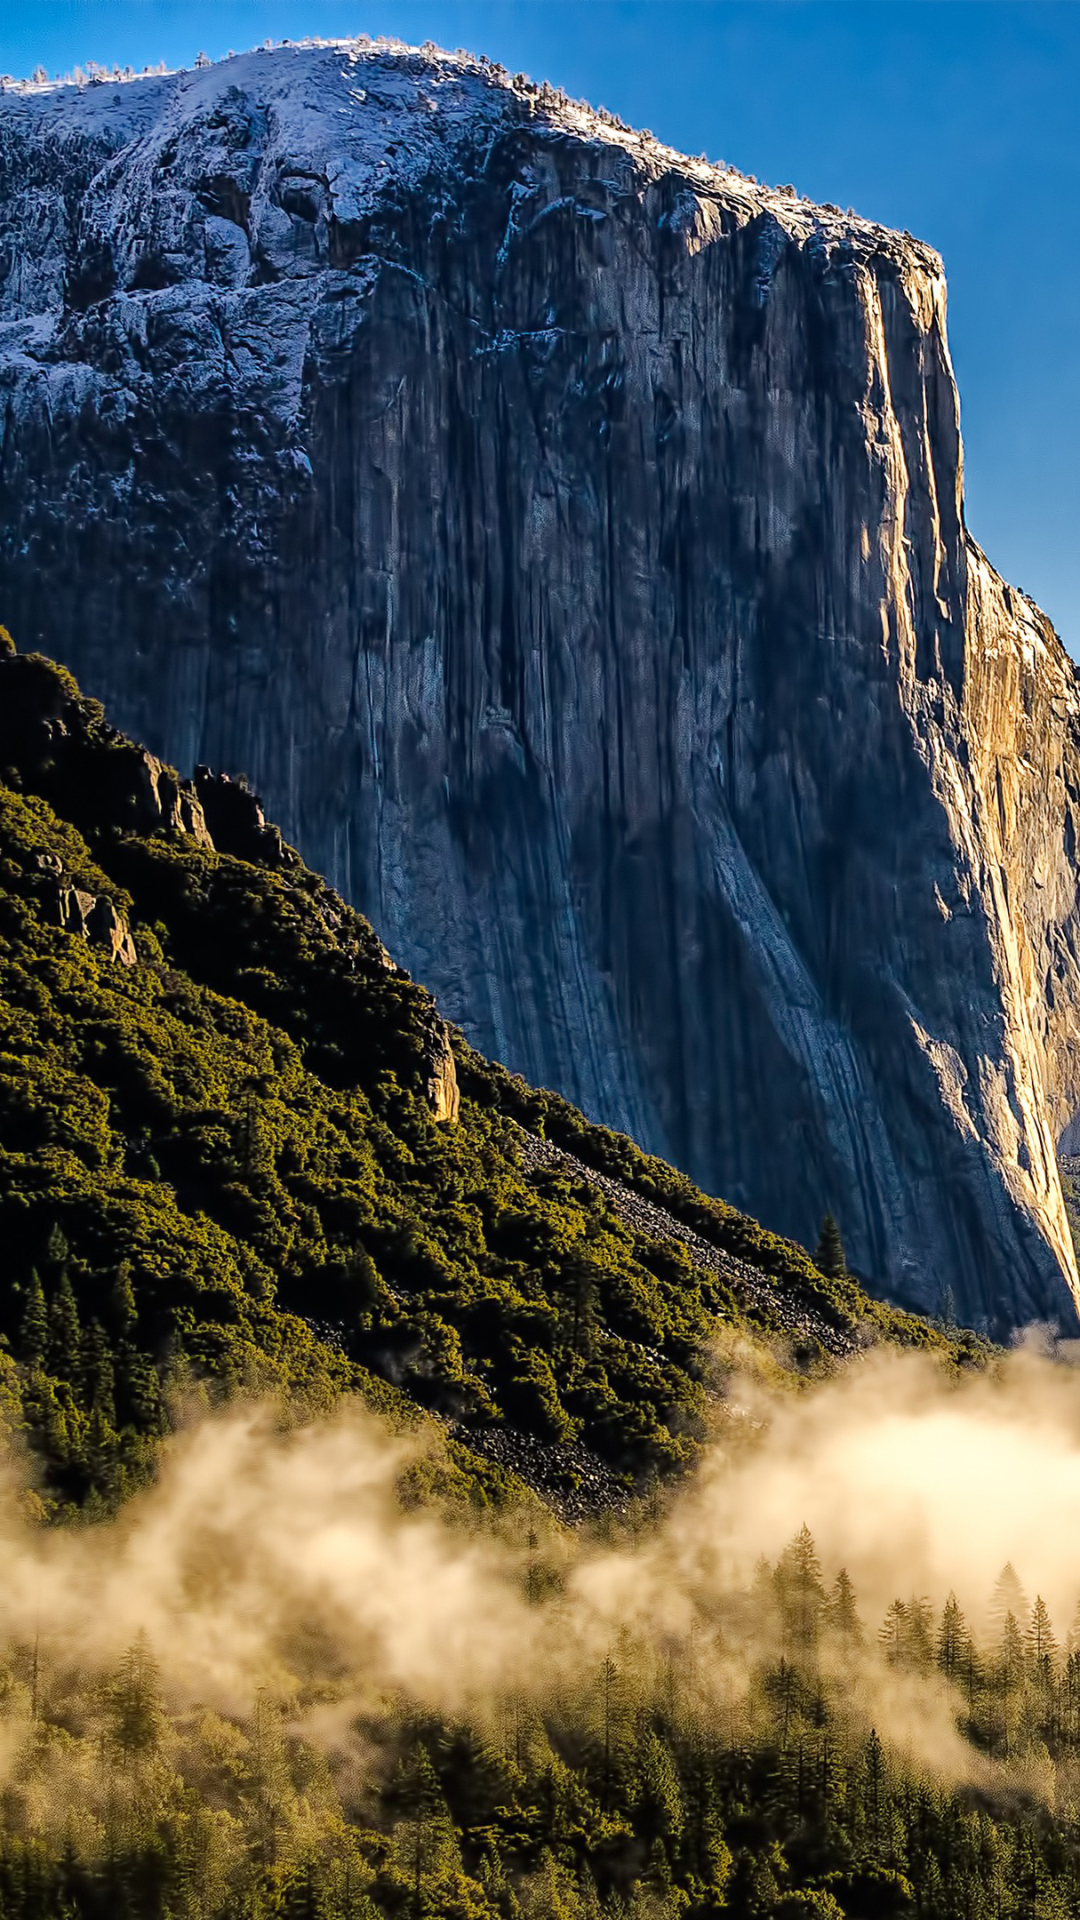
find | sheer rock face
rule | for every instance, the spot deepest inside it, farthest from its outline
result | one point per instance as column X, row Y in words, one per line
column 567, row 537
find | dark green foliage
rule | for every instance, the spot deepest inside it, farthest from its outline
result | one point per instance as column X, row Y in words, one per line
column 222, row 1160
column 632, row 1793
column 219, row 1166
column 34, row 1328
column 829, row 1256
column 840, row 1298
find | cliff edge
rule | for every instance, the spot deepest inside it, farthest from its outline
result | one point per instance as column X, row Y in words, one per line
column 568, row 538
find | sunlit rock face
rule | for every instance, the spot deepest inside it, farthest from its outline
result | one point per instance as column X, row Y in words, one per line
column 566, row 537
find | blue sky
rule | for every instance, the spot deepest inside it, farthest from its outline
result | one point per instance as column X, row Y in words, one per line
column 958, row 119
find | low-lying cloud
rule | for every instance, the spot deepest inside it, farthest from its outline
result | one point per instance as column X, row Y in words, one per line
column 282, row 1557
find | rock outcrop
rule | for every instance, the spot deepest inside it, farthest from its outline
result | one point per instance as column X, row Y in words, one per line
column 97, row 920
column 568, row 538
column 57, row 746
column 95, row 916
column 441, row 1085
column 236, row 821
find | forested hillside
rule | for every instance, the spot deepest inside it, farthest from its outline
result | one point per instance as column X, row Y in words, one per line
column 240, row 1155
column 220, row 1156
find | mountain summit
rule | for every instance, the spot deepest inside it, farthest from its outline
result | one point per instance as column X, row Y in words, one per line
column 568, row 538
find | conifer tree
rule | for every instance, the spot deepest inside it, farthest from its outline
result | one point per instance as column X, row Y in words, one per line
column 919, row 1633
column 609, row 1710
column 706, row 1847
column 658, row 1802
column 269, row 1777
column 1072, row 1691
column 100, row 1457
column 64, row 1344
column 953, row 1640
column 427, row 1845
column 800, row 1591
column 1008, row 1597
column 1010, row 1673
column 136, row 1715
column 34, row 1330
column 57, row 1254
column 97, row 1375
column 1041, row 1644
column 124, row 1312
column 763, row 1594
column 843, row 1612
column 1011, row 1650
column 876, row 1780
column 48, row 1421
column 829, row 1255
column 946, row 1312
column 302, row 1901
column 137, row 1391
column 892, row 1634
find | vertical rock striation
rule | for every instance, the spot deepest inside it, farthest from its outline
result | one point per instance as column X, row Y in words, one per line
column 568, row 538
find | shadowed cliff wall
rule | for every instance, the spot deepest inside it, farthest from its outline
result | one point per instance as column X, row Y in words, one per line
column 567, row 538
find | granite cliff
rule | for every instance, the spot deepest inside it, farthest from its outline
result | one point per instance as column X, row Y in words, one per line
column 567, row 536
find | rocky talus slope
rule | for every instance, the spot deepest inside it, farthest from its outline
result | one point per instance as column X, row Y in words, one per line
column 799, row 1320
column 568, row 538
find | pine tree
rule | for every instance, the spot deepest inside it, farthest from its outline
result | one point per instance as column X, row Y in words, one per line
column 136, row 1715
column 1041, row 1645
column 829, row 1255
column 892, row 1634
column 659, row 1807
column 1072, row 1691
column 971, row 1677
column 123, row 1310
column 427, row 1846
column 48, row 1422
column 57, row 1254
column 842, row 1611
column 269, row 1778
column 97, row 1374
column 609, row 1707
column 919, row 1634
column 1010, row 1672
column 1011, row 1650
column 1008, row 1597
column 953, row 1640
column 763, row 1596
column 800, row 1591
column 876, row 1781
column 34, row 1330
column 946, row 1312
column 99, row 1453
column 706, row 1848
column 64, row 1344
column 139, row 1392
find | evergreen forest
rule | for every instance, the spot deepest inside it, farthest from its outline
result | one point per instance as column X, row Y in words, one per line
column 243, row 1161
